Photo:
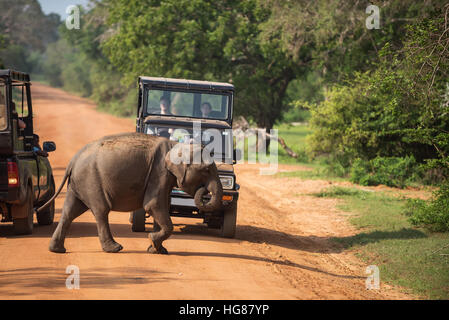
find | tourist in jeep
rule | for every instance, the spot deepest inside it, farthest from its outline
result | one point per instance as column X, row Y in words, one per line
column 37, row 148
column 206, row 109
column 20, row 122
column 165, row 105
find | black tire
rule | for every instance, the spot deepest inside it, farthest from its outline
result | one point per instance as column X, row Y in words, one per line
column 47, row 216
column 229, row 222
column 138, row 218
column 24, row 226
column 214, row 223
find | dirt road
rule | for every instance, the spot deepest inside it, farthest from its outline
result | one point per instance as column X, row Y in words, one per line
column 281, row 251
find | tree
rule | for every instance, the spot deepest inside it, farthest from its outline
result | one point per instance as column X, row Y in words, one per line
column 28, row 31
column 334, row 33
column 3, row 44
column 201, row 39
column 397, row 109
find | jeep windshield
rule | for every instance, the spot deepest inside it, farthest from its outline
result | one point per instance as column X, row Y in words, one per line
column 199, row 105
column 3, row 113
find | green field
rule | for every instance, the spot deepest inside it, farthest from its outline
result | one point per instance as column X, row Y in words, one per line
column 295, row 138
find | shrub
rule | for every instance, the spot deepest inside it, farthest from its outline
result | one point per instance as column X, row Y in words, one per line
column 390, row 171
column 432, row 214
column 335, row 192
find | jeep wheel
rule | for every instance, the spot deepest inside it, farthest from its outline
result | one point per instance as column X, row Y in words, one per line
column 138, row 220
column 214, row 223
column 24, row 226
column 229, row 222
column 46, row 217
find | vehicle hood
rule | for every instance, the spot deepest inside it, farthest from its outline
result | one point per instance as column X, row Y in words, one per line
column 224, row 167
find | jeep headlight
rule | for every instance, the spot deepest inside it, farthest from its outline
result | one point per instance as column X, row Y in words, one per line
column 227, row 182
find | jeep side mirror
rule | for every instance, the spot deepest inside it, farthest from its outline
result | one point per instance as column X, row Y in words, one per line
column 49, row 146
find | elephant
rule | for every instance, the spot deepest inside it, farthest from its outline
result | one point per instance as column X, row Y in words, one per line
column 130, row 171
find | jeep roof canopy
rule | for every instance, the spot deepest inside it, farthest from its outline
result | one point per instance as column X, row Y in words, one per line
column 168, row 83
column 15, row 76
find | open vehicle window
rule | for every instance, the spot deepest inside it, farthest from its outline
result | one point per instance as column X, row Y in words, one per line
column 3, row 112
column 188, row 104
column 19, row 97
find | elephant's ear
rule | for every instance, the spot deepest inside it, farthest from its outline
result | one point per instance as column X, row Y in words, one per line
column 176, row 165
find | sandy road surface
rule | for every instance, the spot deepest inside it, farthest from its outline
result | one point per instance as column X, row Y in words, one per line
column 281, row 250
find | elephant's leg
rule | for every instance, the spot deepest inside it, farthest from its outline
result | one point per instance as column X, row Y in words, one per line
column 156, row 227
column 163, row 221
column 104, row 232
column 73, row 208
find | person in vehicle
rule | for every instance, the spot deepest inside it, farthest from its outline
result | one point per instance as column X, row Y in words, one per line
column 164, row 104
column 206, row 109
column 22, row 125
column 37, row 148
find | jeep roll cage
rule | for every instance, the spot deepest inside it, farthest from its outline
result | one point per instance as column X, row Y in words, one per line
column 9, row 136
column 14, row 76
column 182, row 85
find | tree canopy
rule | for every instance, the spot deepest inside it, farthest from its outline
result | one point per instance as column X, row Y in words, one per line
column 209, row 40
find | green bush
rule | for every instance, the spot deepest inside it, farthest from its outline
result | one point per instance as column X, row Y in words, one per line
column 334, row 166
column 432, row 214
column 390, row 171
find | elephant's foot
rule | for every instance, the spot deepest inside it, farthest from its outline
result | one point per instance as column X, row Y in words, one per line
column 112, row 247
column 155, row 249
column 56, row 248
column 161, row 250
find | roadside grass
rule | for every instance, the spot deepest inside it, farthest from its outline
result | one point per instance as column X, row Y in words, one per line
column 294, row 137
column 410, row 257
column 317, row 172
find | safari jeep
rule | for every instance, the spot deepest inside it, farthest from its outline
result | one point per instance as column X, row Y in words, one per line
column 190, row 111
column 26, row 177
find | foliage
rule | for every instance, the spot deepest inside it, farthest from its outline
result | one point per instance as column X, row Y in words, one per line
column 28, row 32
column 77, row 64
column 433, row 214
column 199, row 39
column 335, row 192
column 395, row 110
column 390, row 171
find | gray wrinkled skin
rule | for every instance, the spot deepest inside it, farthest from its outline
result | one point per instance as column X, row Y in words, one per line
column 127, row 172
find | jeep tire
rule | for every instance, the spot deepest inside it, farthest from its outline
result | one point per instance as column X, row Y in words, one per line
column 229, row 222
column 46, row 217
column 24, row 226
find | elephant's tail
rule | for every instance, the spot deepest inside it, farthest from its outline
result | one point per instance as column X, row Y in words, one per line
column 68, row 173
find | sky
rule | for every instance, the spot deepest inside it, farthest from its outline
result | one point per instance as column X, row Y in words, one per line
column 59, row 6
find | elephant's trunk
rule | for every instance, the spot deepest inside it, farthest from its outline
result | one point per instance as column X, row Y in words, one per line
column 215, row 202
